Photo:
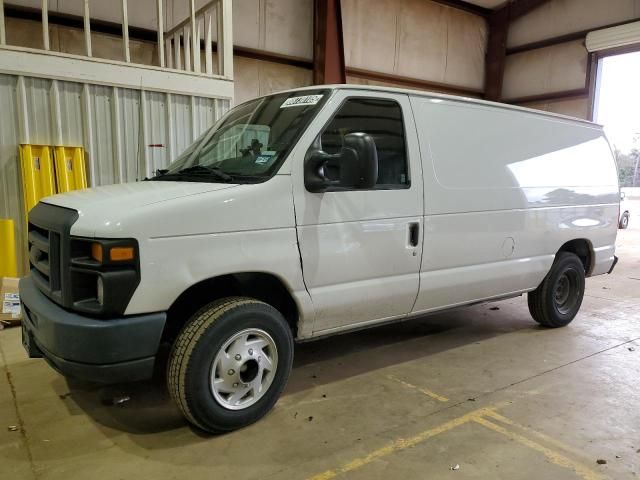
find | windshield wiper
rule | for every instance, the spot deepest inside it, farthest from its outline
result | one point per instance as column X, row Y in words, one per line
column 204, row 169
column 196, row 171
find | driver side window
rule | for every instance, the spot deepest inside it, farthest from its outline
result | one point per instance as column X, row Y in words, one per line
column 382, row 119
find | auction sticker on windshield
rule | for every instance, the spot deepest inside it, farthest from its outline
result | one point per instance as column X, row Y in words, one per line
column 300, row 101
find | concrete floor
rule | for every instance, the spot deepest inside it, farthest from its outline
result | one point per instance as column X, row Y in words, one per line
column 483, row 388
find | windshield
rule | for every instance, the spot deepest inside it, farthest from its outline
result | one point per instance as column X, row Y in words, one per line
column 250, row 142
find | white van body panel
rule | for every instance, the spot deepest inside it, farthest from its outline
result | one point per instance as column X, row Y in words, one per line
column 211, row 230
column 358, row 264
column 495, row 190
column 503, row 192
column 102, row 210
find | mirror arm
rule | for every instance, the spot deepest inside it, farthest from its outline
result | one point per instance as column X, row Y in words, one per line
column 315, row 180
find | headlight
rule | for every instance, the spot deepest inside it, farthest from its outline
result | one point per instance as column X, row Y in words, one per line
column 104, row 274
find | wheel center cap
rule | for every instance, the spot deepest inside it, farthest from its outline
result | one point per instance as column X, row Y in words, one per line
column 562, row 290
column 249, row 371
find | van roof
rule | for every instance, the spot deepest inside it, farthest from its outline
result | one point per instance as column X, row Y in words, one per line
column 424, row 93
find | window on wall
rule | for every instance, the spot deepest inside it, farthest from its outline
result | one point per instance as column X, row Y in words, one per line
column 618, row 109
column 382, row 119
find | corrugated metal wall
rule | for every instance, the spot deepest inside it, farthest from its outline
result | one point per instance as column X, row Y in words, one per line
column 10, row 192
column 127, row 134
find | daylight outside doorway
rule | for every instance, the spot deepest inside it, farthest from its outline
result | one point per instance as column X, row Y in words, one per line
column 618, row 109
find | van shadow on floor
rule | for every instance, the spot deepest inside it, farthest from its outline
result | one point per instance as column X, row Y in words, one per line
column 146, row 407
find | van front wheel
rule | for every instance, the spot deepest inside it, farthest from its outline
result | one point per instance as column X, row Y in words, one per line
column 230, row 364
column 557, row 299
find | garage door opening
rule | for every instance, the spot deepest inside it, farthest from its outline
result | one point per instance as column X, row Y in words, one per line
column 617, row 108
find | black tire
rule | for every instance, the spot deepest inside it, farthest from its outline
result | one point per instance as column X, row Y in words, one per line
column 624, row 221
column 557, row 299
column 198, row 345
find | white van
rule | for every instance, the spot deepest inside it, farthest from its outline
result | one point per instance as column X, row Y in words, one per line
column 308, row 213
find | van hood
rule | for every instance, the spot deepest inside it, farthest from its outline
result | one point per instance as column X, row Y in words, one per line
column 161, row 209
column 130, row 195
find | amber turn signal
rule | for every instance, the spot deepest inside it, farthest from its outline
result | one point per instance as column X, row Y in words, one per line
column 96, row 252
column 120, row 254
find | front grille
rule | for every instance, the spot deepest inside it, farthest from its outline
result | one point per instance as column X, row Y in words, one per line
column 49, row 240
column 44, row 256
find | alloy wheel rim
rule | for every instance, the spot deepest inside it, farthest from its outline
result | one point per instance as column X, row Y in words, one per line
column 244, row 369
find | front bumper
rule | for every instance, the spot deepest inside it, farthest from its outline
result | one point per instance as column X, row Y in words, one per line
column 108, row 351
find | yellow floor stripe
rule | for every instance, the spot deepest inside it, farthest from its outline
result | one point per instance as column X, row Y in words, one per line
column 428, row 393
column 401, row 444
column 553, row 456
column 540, row 435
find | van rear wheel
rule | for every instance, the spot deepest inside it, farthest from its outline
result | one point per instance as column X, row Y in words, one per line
column 557, row 299
column 624, row 220
column 230, row 363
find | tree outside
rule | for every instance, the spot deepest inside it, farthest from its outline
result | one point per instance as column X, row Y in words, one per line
column 618, row 109
column 629, row 165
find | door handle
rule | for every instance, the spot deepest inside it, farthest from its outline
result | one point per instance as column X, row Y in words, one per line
column 414, row 234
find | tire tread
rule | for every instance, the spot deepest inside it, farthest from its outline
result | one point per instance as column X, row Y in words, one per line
column 185, row 344
column 536, row 299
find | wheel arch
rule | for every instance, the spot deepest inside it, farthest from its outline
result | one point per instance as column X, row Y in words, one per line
column 263, row 286
column 583, row 248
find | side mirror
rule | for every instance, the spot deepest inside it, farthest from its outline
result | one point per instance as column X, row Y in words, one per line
column 359, row 165
column 357, row 162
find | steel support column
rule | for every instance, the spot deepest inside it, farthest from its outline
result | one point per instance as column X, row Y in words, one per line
column 496, row 53
column 499, row 21
column 328, row 45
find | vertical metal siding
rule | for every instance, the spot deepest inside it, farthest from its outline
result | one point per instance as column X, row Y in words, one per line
column 130, row 139
column 71, row 113
column 39, row 111
column 8, row 144
column 102, row 136
column 205, row 115
column 182, row 128
column 10, row 192
column 156, row 131
column 106, row 121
